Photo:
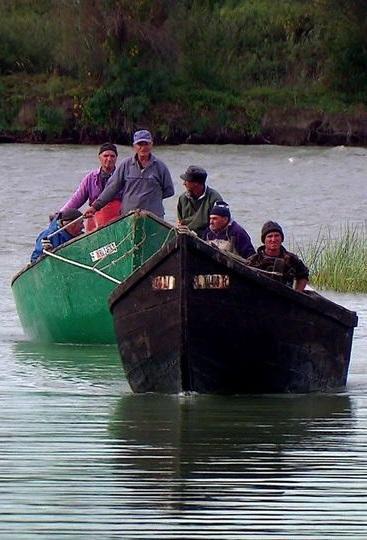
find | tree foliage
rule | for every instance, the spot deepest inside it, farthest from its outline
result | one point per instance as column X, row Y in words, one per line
column 135, row 55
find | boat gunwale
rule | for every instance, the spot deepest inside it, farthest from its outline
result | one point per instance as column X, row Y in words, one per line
column 81, row 238
column 313, row 301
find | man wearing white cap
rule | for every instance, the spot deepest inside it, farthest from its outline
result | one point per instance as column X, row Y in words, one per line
column 143, row 179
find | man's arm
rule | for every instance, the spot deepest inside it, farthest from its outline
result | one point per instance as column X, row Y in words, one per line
column 302, row 273
column 179, row 210
column 115, row 184
column 243, row 244
column 80, row 195
column 300, row 284
column 167, row 185
column 40, row 244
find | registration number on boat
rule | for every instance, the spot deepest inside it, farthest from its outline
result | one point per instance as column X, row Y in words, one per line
column 163, row 283
column 103, row 251
column 211, row 281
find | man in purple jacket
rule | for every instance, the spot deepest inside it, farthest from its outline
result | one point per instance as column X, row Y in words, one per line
column 226, row 234
column 92, row 186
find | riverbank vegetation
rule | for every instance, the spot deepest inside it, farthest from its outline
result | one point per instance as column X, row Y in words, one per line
column 194, row 71
column 338, row 261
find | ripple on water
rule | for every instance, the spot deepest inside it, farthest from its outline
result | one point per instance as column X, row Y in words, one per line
column 82, row 457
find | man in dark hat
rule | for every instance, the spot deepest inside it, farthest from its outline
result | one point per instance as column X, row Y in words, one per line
column 194, row 206
column 53, row 237
column 92, row 186
column 225, row 234
column 274, row 258
column 143, row 180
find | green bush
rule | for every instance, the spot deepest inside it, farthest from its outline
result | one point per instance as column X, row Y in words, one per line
column 51, row 121
column 27, row 38
column 223, row 62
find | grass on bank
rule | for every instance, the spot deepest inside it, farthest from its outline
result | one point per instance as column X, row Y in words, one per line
column 338, row 261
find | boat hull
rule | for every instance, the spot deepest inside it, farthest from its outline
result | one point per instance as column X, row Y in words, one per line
column 194, row 319
column 63, row 296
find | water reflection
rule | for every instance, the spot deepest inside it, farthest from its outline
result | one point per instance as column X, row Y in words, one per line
column 90, row 364
column 206, row 451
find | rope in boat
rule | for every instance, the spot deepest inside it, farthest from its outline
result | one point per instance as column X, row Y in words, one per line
column 124, row 239
column 65, row 226
column 128, row 252
column 101, row 272
column 164, row 243
column 137, row 247
column 80, row 265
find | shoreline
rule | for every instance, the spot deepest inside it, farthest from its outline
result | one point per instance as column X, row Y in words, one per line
column 278, row 127
column 284, row 126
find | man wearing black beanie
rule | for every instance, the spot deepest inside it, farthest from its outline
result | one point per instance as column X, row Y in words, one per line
column 92, row 186
column 226, row 234
column 275, row 259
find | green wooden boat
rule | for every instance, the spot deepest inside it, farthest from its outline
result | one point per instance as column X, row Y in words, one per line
column 63, row 296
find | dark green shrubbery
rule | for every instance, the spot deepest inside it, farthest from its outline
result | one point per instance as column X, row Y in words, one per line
column 214, row 61
column 51, row 121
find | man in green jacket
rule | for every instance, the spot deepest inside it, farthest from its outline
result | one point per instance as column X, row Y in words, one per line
column 194, row 206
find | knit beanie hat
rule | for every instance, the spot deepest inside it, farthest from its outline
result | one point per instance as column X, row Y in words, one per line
column 271, row 226
column 221, row 208
column 108, row 146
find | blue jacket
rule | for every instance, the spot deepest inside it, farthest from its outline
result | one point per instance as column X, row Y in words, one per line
column 56, row 240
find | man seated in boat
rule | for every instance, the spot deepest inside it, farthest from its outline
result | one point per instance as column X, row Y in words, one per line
column 274, row 258
column 225, row 234
column 92, row 186
column 143, row 180
column 64, row 227
column 195, row 204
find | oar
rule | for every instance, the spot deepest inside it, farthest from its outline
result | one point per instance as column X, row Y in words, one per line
column 64, row 227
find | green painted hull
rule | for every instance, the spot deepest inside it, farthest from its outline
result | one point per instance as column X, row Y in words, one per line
column 59, row 301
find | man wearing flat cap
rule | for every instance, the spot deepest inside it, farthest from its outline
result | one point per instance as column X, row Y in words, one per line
column 225, row 234
column 52, row 237
column 194, row 206
column 92, row 186
column 274, row 258
column 143, row 180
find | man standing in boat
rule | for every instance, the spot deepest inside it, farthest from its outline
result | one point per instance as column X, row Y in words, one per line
column 92, row 186
column 66, row 226
column 143, row 180
column 194, row 206
column 274, row 258
column 225, row 234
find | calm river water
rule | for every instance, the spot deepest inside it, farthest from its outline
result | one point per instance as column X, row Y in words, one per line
column 82, row 457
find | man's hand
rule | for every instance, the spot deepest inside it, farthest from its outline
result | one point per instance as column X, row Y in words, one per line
column 89, row 212
column 182, row 228
column 46, row 244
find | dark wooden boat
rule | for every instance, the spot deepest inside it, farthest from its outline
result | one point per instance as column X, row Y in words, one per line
column 193, row 318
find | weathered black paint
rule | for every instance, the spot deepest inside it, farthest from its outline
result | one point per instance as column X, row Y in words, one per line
column 255, row 336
